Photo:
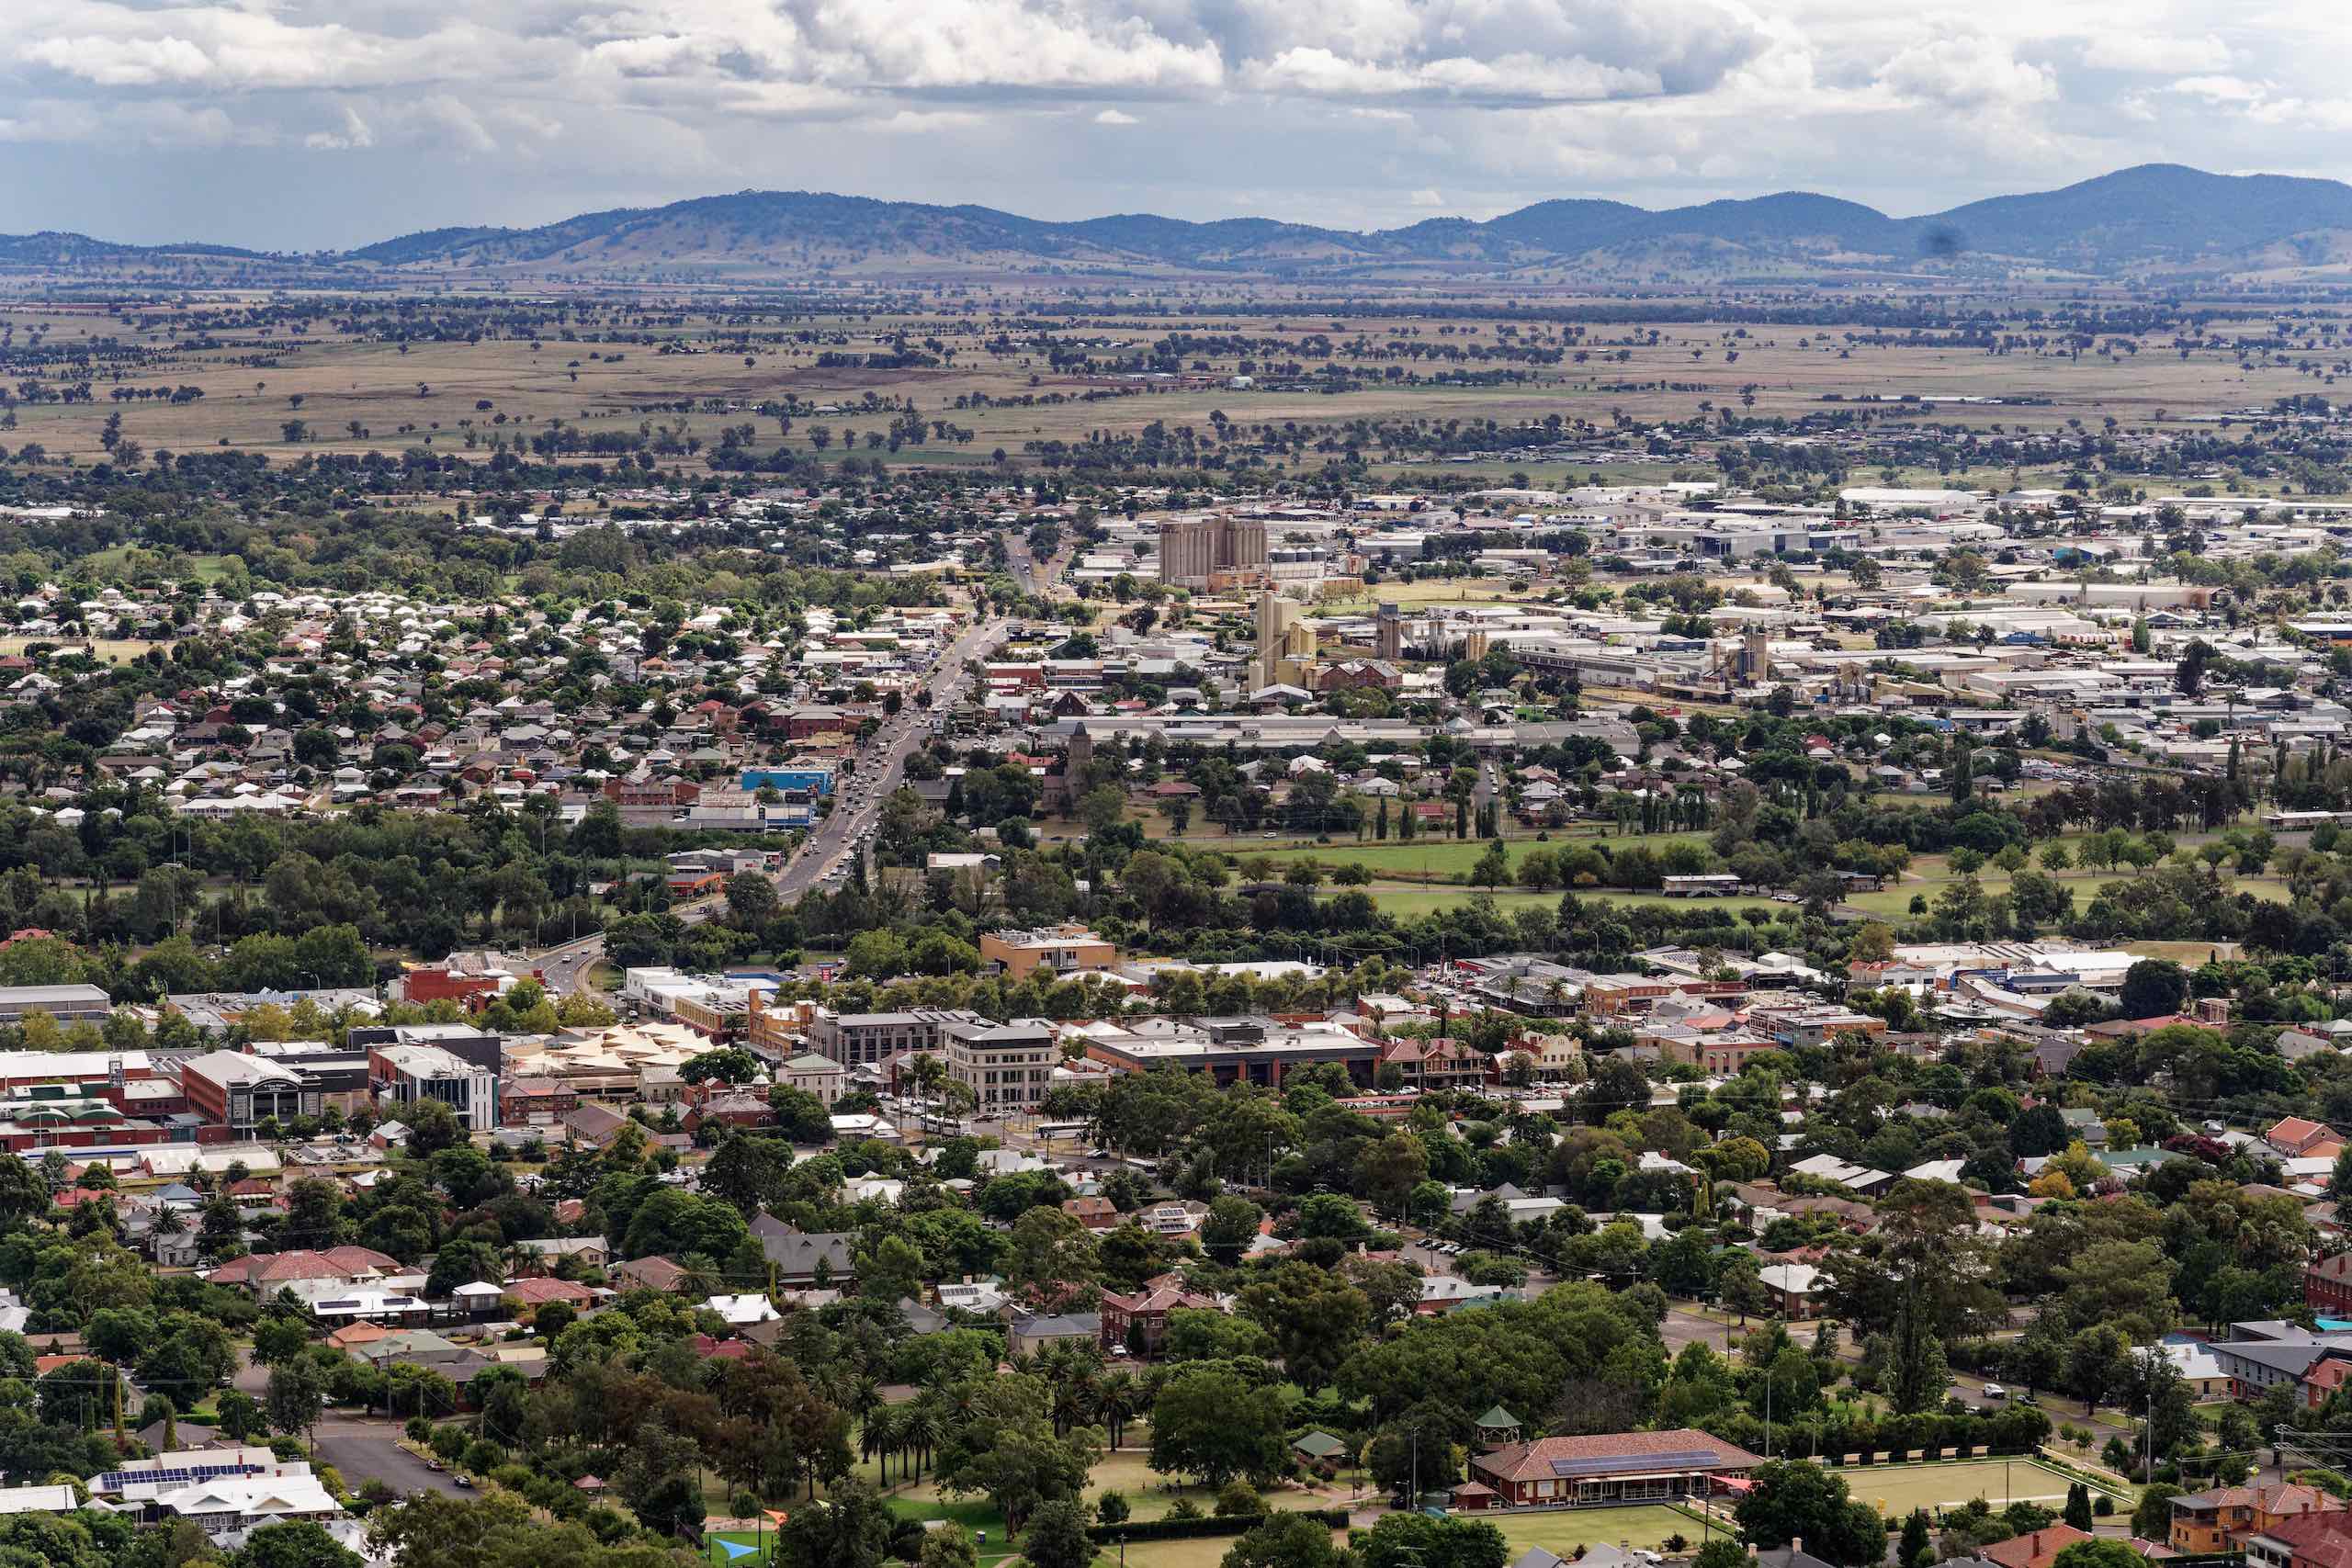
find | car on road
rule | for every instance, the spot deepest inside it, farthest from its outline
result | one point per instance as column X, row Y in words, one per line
column 1995, row 1391
column 461, row 1481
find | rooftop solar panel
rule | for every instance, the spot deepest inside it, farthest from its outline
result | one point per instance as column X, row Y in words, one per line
column 116, row 1481
column 1680, row 1458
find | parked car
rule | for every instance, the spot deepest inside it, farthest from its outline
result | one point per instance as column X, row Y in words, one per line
column 1995, row 1391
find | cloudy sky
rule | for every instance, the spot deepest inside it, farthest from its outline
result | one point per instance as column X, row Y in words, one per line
column 315, row 123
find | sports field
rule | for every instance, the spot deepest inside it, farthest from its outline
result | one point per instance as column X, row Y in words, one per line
column 1564, row 1532
column 1896, row 1489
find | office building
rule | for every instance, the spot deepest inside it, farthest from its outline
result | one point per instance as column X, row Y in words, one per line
column 229, row 1089
column 861, row 1039
column 409, row 1075
column 1063, row 949
column 1008, row 1066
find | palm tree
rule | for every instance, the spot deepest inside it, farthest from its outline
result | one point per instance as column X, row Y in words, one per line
column 1117, row 1396
column 1073, row 1395
column 878, row 1432
column 700, row 1277
column 923, row 1427
column 865, row 1397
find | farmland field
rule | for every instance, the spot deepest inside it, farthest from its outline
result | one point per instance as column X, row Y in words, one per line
column 359, row 393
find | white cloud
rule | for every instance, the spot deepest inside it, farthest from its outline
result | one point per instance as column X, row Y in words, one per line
column 355, row 134
column 1967, row 73
column 1348, row 112
column 925, row 122
column 2222, row 89
column 2125, row 49
column 1427, row 196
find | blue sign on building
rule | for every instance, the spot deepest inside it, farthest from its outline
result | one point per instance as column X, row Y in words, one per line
column 791, row 781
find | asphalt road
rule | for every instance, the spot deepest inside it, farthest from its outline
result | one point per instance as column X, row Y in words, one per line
column 859, row 802
column 360, row 1447
column 566, row 967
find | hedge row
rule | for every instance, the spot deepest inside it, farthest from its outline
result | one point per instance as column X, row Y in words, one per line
column 1189, row 1530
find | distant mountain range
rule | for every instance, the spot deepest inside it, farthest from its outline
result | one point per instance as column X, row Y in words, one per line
column 2153, row 220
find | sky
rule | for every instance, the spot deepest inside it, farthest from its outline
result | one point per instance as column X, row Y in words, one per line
column 317, row 124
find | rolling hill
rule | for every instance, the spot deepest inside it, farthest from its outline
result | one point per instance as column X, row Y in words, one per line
column 2155, row 219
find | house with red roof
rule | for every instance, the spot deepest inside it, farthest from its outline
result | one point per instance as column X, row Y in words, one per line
column 538, row 1292
column 2296, row 1136
column 2035, row 1549
column 1140, row 1323
column 2219, row 1520
column 2318, row 1539
column 1607, row 1468
column 266, row 1273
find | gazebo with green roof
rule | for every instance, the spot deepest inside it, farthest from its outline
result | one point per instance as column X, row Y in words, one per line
column 1496, row 1427
column 1319, row 1448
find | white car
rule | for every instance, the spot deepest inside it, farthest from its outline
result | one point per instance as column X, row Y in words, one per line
column 1995, row 1391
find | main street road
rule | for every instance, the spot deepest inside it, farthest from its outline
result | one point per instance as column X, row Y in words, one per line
column 858, row 805
column 566, row 967
column 857, row 801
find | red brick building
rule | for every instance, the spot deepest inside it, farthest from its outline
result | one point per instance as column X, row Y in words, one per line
column 652, row 792
column 1140, row 1323
column 2306, row 1541
column 1611, row 1468
column 2327, row 1285
column 432, row 983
